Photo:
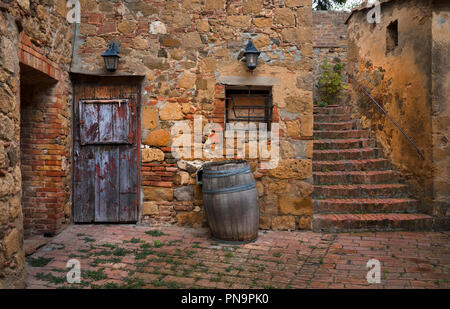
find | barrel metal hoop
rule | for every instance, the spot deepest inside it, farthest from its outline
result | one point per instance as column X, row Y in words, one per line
column 239, row 188
column 216, row 174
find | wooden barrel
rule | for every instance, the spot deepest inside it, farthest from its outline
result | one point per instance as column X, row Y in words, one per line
column 230, row 199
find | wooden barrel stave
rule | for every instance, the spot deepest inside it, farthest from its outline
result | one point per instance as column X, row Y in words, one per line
column 232, row 216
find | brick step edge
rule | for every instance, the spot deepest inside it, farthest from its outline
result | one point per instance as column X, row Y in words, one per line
column 356, row 177
column 360, row 190
column 336, row 223
column 340, row 134
column 365, row 205
column 346, row 125
column 351, row 165
column 346, row 154
column 343, row 144
column 319, row 118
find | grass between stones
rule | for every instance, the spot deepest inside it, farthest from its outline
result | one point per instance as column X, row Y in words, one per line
column 39, row 262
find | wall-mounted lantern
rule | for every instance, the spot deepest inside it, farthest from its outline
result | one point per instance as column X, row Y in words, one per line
column 111, row 57
column 251, row 55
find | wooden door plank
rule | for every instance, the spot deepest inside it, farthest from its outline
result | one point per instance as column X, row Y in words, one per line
column 88, row 123
column 129, row 207
column 107, row 193
column 120, row 122
column 105, row 120
column 84, row 184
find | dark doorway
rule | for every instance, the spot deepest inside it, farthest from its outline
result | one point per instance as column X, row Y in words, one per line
column 36, row 91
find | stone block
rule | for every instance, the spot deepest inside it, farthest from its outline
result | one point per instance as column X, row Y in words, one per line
column 289, row 205
column 304, row 223
column 12, row 243
column 187, row 80
column 239, row 21
column 283, row 223
column 203, row 25
column 292, row 128
column 152, row 154
column 215, row 4
column 158, row 138
column 185, row 193
column 251, row 6
column 292, row 168
column 171, row 111
column 284, row 16
column 262, row 22
column 182, row 178
column 127, row 27
column 158, row 194
column 156, row 63
column 192, row 219
column 306, row 125
column 150, row 209
column 191, row 40
column 149, row 117
column 265, row 222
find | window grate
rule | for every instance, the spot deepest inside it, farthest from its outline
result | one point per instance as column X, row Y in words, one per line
column 249, row 105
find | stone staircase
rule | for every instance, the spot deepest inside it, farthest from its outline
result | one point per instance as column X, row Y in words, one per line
column 355, row 187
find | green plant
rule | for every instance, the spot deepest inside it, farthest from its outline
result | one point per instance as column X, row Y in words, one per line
column 39, row 262
column 50, row 278
column 154, row 233
column 158, row 244
column 330, row 83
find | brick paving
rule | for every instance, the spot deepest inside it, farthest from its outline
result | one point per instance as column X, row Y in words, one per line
column 128, row 256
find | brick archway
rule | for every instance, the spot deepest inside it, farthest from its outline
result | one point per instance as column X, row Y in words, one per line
column 42, row 151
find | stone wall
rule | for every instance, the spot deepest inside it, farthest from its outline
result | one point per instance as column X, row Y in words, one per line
column 188, row 50
column 329, row 42
column 441, row 112
column 34, row 37
column 11, row 228
column 398, row 76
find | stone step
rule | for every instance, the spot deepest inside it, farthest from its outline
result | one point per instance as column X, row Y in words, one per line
column 336, row 126
column 324, row 144
column 332, row 118
column 356, row 177
column 365, row 205
column 351, row 165
column 340, row 134
column 360, row 190
column 346, row 154
column 332, row 110
column 333, row 223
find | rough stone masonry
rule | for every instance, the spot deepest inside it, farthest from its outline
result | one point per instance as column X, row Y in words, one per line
column 189, row 52
column 35, row 142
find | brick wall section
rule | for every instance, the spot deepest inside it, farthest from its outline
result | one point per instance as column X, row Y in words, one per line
column 43, row 155
column 185, row 49
column 329, row 29
column 330, row 42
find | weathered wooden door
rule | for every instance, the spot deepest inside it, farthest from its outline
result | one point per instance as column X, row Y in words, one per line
column 106, row 150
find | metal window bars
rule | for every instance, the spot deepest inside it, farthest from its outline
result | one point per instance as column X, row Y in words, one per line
column 235, row 108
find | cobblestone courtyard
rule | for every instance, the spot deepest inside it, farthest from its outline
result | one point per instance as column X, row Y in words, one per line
column 126, row 256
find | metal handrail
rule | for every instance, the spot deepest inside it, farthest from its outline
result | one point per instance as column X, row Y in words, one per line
column 421, row 153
